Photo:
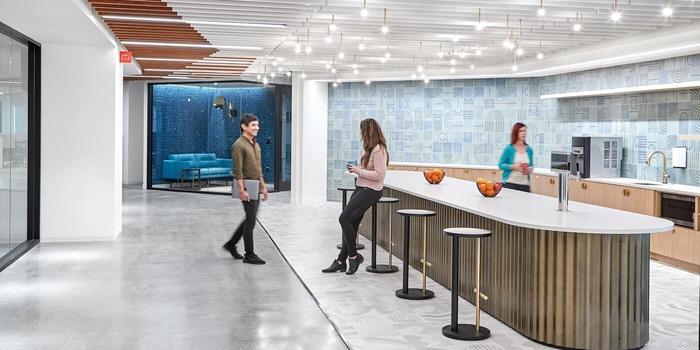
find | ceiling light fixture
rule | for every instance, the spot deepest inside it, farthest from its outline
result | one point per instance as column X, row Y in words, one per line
column 480, row 25
column 540, row 55
column 519, row 52
column 273, row 74
column 577, row 26
column 289, row 74
column 303, row 75
column 453, row 61
column 514, row 67
column 667, row 11
column 541, row 10
column 452, row 70
column 265, row 81
column 507, row 44
column 471, row 66
column 440, row 54
column 335, row 84
column 426, row 81
column 361, row 46
column 178, row 20
column 196, row 61
column 297, row 47
column 341, row 54
column 333, row 70
column 420, row 68
column 367, row 82
column 328, row 65
column 332, row 27
column 307, row 49
column 478, row 52
column 363, row 12
column 414, row 76
column 462, row 54
column 328, row 38
column 385, row 27
column 615, row 15
column 387, row 54
column 203, row 46
column 279, row 69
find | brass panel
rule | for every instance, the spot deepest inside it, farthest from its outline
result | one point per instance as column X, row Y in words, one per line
column 573, row 290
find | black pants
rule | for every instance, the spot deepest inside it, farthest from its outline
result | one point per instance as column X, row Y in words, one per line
column 362, row 199
column 245, row 229
column 524, row 188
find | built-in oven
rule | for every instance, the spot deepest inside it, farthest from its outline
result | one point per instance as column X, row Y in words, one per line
column 559, row 160
column 679, row 209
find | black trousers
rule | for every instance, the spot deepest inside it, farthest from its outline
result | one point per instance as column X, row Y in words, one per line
column 245, row 229
column 524, row 188
column 362, row 199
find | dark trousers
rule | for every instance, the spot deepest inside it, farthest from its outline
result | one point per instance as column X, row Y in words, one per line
column 524, row 188
column 245, row 229
column 362, row 199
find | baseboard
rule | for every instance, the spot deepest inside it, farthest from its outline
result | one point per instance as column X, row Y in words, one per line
column 77, row 239
column 685, row 266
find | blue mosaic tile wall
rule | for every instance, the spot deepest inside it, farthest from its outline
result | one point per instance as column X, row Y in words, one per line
column 185, row 121
column 469, row 121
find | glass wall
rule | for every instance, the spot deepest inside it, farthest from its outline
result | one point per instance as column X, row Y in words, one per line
column 192, row 128
column 14, row 155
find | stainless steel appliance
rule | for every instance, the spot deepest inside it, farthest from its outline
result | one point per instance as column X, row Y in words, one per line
column 596, row 156
column 559, row 161
column 679, row 209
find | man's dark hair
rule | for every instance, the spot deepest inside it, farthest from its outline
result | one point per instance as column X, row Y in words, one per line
column 248, row 118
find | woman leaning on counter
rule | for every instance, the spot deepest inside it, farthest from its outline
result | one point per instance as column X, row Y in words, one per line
column 516, row 160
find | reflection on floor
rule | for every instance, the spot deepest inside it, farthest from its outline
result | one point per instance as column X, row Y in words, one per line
column 165, row 284
column 369, row 316
column 211, row 188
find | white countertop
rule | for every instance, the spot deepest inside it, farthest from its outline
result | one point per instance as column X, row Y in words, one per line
column 526, row 209
column 686, row 190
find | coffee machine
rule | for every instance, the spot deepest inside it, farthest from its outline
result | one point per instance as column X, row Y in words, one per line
column 595, row 156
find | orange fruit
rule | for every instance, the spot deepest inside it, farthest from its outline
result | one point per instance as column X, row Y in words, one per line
column 480, row 180
column 482, row 187
column 437, row 170
column 489, row 186
column 490, row 193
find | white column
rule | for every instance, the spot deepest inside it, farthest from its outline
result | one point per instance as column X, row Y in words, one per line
column 309, row 141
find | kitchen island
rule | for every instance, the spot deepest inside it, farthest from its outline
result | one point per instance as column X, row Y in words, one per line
column 577, row 279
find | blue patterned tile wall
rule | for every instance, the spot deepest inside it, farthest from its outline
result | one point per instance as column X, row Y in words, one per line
column 469, row 121
column 185, row 121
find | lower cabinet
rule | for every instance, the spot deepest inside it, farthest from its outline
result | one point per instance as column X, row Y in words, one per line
column 680, row 247
column 544, row 185
column 586, row 192
column 632, row 199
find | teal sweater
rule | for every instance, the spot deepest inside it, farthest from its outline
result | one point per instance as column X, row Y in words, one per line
column 507, row 159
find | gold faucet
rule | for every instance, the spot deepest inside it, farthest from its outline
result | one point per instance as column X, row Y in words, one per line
column 665, row 175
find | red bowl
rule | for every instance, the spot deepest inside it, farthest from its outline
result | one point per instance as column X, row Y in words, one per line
column 434, row 177
column 497, row 186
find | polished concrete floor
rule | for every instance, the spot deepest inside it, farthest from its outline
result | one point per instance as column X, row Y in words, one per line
column 165, row 284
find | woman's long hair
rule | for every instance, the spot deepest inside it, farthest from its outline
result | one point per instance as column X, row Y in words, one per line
column 371, row 137
column 514, row 132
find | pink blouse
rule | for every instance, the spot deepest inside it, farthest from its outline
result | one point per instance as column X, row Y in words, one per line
column 373, row 175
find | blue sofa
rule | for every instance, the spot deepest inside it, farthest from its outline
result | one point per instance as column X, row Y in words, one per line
column 209, row 166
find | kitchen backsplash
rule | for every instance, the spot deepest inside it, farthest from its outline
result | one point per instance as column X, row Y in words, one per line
column 469, row 121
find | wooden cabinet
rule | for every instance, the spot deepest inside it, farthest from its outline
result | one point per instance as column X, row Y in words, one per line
column 586, row 192
column 680, row 247
column 493, row 175
column 544, row 185
column 466, row 174
column 632, row 199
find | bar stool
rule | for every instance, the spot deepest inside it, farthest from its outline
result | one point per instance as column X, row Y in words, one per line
column 414, row 293
column 374, row 268
column 345, row 190
column 465, row 331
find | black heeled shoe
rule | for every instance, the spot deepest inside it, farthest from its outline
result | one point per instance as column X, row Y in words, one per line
column 335, row 267
column 355, row 264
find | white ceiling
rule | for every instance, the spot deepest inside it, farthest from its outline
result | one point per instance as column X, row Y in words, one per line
column 434, row 24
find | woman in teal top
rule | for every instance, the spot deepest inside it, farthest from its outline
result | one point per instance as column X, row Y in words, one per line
column 516, row 160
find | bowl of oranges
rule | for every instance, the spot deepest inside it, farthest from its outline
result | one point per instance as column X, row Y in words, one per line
column 488, row 188
column 434, row 176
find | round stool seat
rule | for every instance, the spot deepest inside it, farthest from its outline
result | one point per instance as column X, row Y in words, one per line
column 468, row 232
column 415, row 212
column 388, row 200
column 344, row 188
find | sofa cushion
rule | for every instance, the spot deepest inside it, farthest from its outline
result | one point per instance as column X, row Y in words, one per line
column 208, row 164
column 216, row 171
column 205, row 156
column 182, row 157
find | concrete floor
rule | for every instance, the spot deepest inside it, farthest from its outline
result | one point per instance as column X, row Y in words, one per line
column 165, row 284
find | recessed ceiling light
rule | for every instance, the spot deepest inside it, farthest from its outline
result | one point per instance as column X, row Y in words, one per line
column 667, row 11
column 178, row 20
column 205, row 46
column 279, row 69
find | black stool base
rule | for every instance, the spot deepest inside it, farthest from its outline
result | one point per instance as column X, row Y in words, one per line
column 359, row 246
column 415, row 294
column 382, row 269
column 466, row 332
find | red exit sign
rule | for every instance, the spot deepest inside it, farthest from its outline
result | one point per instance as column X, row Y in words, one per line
column 125, row 57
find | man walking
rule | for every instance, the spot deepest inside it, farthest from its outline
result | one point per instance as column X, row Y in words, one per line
column 245, row 153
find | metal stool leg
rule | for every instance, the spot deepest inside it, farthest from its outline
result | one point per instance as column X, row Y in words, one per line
column 413, row 293
column 374, row 267
column 465, row 331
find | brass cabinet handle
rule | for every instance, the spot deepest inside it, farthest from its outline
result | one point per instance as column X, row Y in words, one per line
column 551, row 181
column 626, row 192
column 416, row 169
column 584, row 186
column 493, row 173
column 466, row 171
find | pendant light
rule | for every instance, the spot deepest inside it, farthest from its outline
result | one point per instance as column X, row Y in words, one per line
column 385, row 27
column 541, row 10
column 332, row 27
column 615, row 15
column 480, row 25
column 667, row 11
column 307, row 49
column 540, row 55
column 387, row 54
column 361, row 46
column 577, row 26
column 363, row 12
column 519, row 51
column 440, row 54
column 507, row 44
column 297, row 47
column 328, row 39
column 367, row 82
column 341, row 54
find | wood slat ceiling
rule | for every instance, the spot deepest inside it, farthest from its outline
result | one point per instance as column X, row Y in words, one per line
column 164, row 33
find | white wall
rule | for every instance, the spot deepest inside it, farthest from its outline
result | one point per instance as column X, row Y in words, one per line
column 309, row 141
column 133, row 140
column 81, row 143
